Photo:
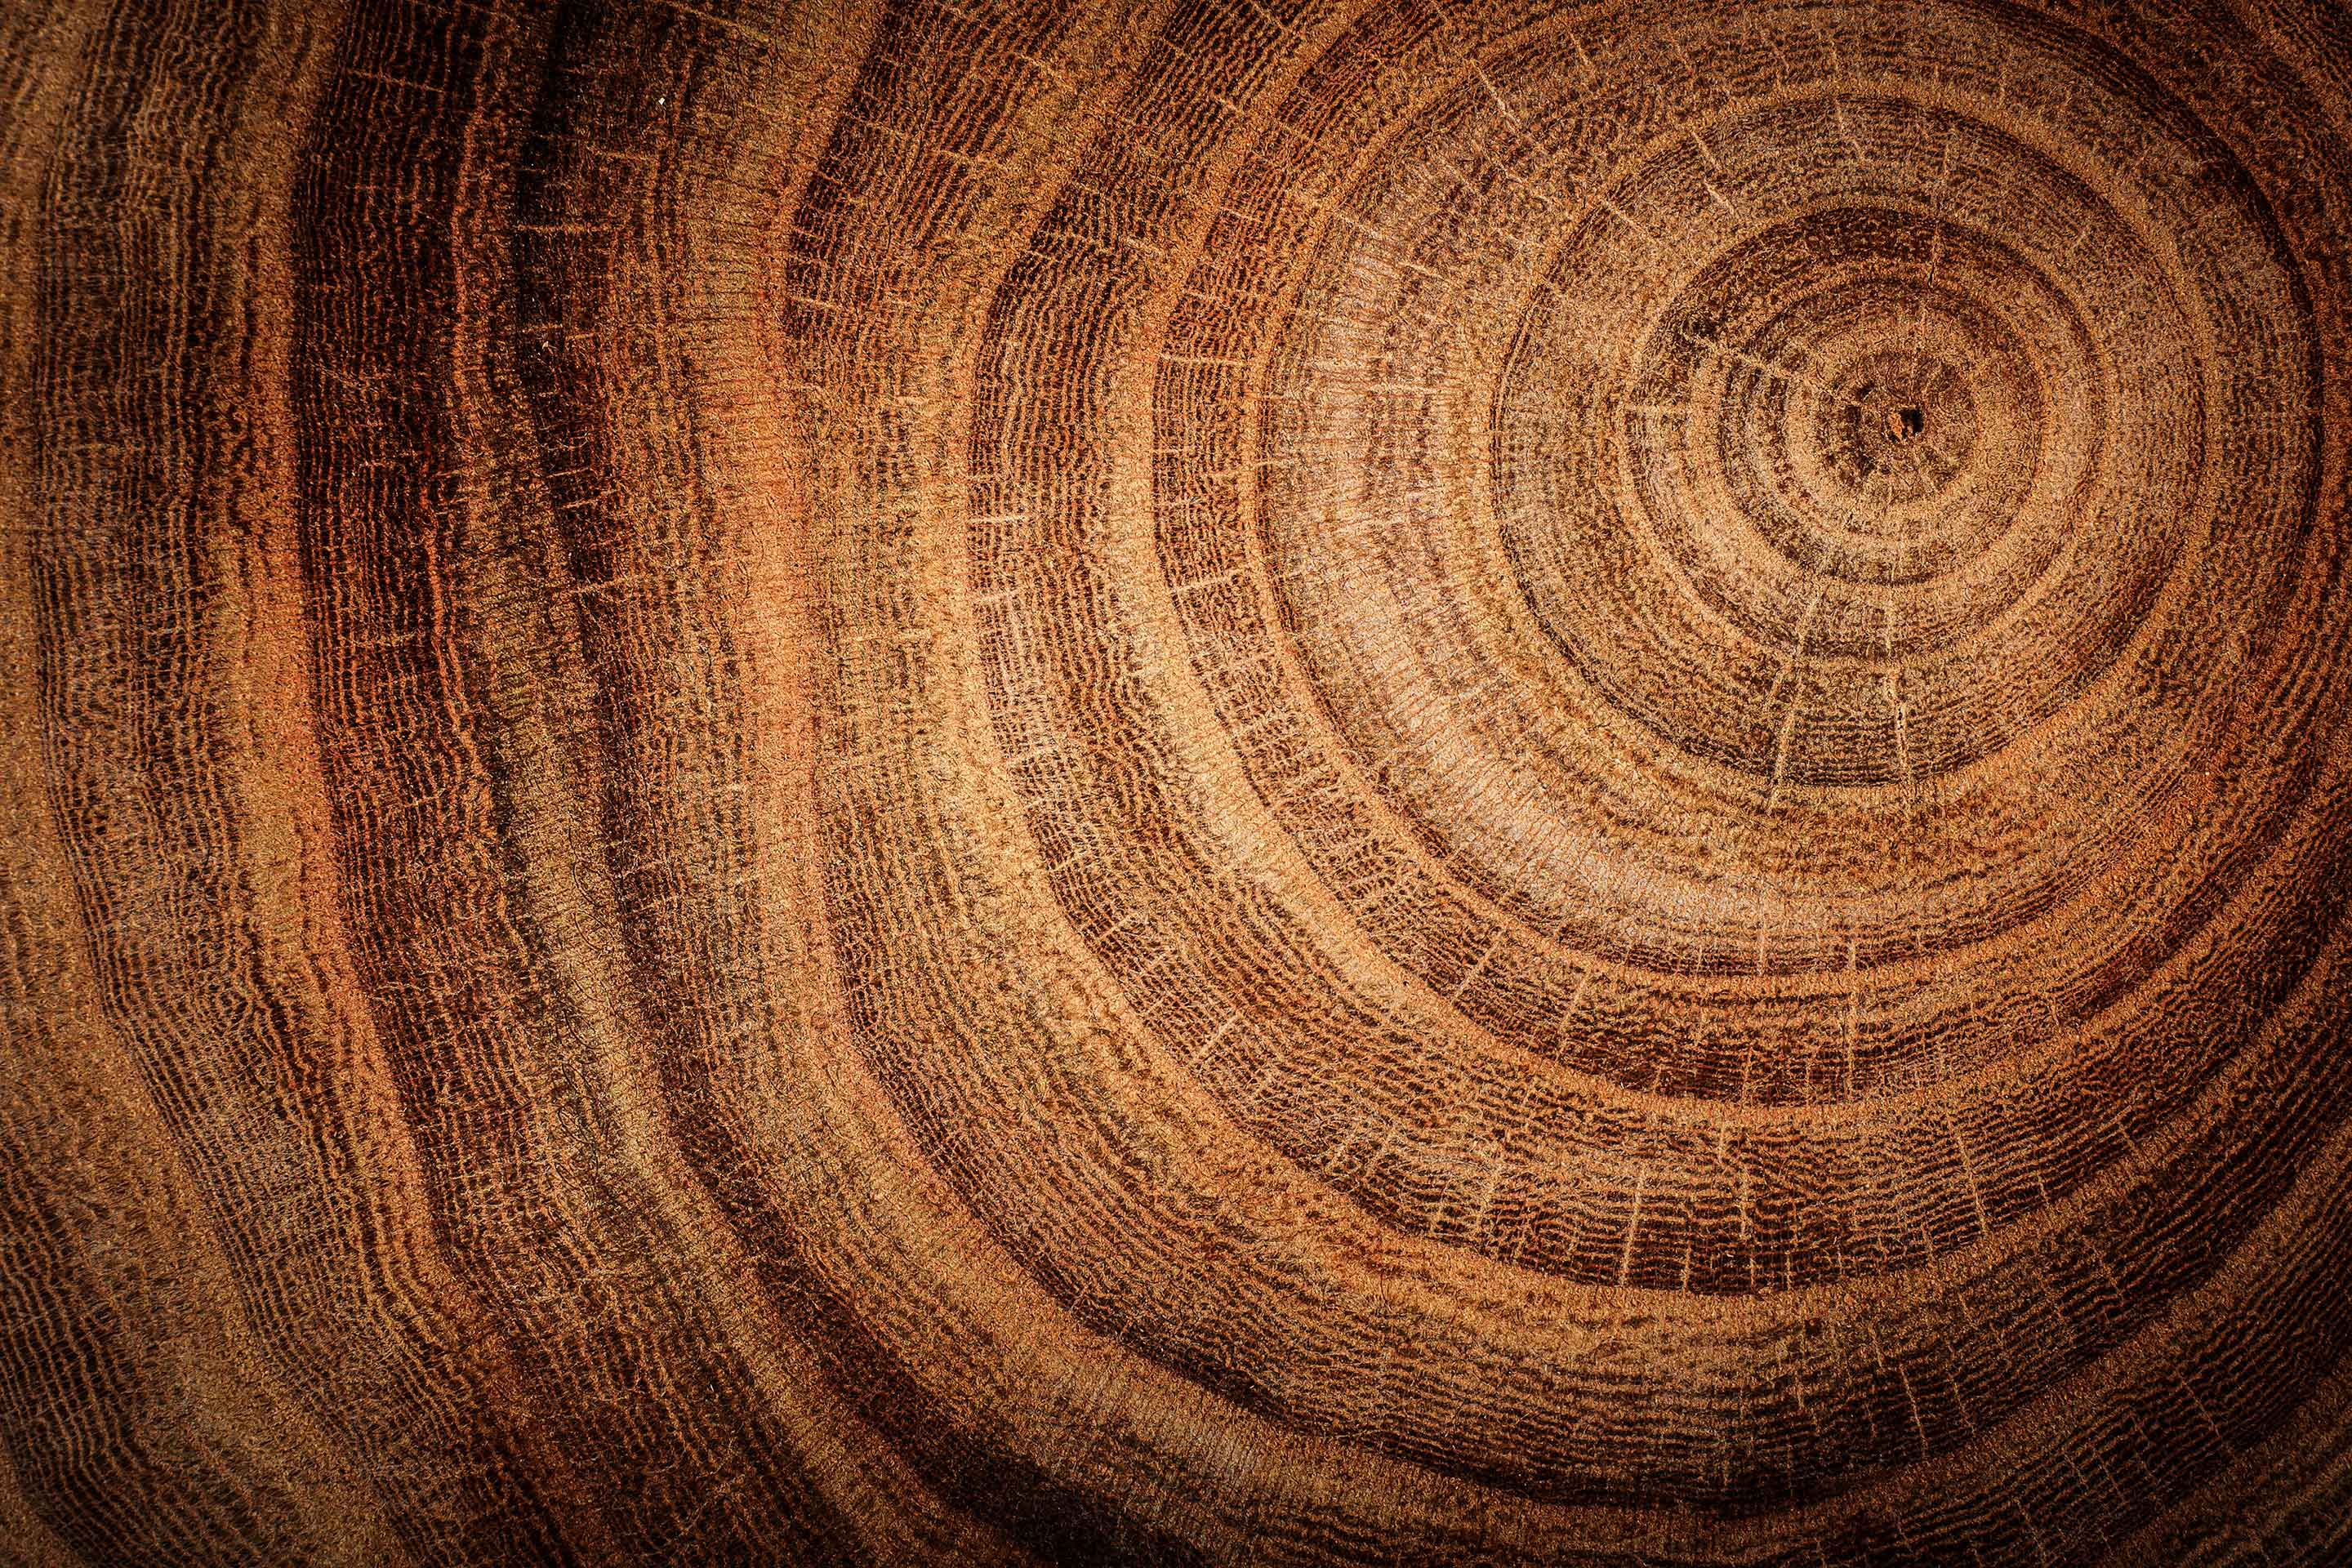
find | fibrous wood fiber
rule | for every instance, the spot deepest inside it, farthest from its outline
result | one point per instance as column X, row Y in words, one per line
column 1197, row 781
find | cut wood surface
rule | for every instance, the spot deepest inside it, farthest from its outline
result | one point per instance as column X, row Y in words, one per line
column 1248, row 782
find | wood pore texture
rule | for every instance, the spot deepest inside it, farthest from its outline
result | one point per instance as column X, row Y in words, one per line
column 1175, row 781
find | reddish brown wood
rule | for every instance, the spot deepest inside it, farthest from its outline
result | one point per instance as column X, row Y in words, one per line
column 1220, row 781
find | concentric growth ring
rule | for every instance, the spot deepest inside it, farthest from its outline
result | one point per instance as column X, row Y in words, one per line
column 1437, row 781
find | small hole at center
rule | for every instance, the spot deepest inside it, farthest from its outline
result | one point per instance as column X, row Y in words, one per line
column 1903, row 423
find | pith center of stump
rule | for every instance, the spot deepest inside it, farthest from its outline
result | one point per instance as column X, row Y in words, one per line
column 1905, row 421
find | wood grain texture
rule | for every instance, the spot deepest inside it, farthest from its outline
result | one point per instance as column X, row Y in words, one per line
column 1202, row 782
